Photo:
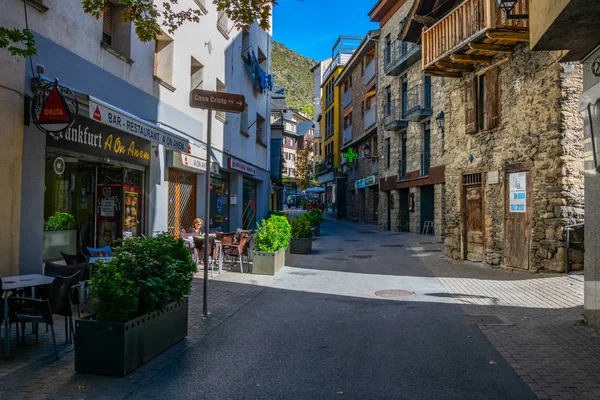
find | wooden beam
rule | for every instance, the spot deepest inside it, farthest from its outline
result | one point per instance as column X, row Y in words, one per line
column 494, row 48
column 422, row 19
column 509, row 35
column 443, row 74
column 445, row 65
column 470, row 59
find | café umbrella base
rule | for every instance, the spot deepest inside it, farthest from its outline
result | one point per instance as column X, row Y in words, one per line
column 118, row 348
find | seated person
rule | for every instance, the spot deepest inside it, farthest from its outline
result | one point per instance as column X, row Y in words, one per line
column 198, row 227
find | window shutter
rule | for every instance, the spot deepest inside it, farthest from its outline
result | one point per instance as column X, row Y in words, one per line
column 107, row 20
column 471, row 106
column 492, row 89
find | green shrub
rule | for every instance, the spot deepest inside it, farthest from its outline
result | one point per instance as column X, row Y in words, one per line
column 302, row 226
column 316, row 216
column 273, row 234
column 60, row 222
column 154, row 271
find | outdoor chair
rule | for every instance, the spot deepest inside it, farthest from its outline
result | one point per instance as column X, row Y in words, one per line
column 225, row 238
column 237, row 249
column 199, row 244
column 188, row 245
column 73, row 259
column 36, row 311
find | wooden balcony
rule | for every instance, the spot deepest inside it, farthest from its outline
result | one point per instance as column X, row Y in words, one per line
column 471, row 34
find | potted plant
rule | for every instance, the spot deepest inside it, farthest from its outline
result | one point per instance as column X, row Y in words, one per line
column 139, row 304
column 59, row 235
column 270, row 241
column 301, row 239
column 316, row 217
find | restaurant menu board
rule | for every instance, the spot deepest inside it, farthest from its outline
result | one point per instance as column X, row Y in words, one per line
column 130, row 216
column 107, row 214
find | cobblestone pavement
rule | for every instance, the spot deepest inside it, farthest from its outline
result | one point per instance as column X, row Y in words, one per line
column 32, row 372
column 541, row 331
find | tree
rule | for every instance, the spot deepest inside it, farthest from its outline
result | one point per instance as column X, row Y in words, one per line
column 303, row 162
column 149, row 19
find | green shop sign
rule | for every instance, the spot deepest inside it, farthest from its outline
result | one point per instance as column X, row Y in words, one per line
column 364, row 182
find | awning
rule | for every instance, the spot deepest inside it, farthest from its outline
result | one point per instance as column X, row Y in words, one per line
column 112, row 116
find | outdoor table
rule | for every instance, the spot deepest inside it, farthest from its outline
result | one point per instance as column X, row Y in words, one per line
column 11, row 283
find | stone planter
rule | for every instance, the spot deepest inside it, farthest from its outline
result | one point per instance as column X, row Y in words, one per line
column 300, row 246
column 57, row 241
column 118, row 348
column 264, row 263
column 317, row 230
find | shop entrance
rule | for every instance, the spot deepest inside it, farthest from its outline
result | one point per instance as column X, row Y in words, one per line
column 249, row 206
column 106, row 200
column 182, row 201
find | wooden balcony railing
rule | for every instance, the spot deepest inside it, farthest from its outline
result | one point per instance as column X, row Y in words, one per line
column 469, row 22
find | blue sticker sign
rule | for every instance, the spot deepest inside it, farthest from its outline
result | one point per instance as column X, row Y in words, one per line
column 219, row 204
column 518, row 192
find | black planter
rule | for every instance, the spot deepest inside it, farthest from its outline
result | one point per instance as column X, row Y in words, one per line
column 317, row 230
column 300, row 246
column 117, row 348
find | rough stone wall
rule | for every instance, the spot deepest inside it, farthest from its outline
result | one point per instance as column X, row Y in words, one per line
column 539, row 130
column 439, row 210
column 415, row 216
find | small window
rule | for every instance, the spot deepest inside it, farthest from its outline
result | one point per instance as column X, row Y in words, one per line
column 482, row 102
column 244, row 121
column 115, row 33
column 388, row 152
column 163, row 58
column 107, row 24
column 221, row 115
column 223, row 23
column 196, row 74
column 260, row 129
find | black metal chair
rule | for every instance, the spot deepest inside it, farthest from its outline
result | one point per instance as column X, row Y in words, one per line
column 199, row 245
column 36, row 311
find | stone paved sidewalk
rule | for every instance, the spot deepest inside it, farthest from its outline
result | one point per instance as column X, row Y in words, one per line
column 32, row 372
column 540, row 331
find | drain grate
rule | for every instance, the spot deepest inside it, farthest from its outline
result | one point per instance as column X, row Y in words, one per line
column 335, row 258
column 362, row 257
column 365, row 250
column 392, row 245
column 353, row 240
column 393, row 293
column 485, row 320
column 367, row 232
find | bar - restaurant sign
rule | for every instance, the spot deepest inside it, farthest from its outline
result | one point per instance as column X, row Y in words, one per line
column 90, row 137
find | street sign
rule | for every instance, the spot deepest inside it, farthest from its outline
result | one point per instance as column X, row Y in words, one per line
column 218, row 101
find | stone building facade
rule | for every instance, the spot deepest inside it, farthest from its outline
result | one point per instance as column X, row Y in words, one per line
column 358, row 115
column 539, row 132
column 411, row 139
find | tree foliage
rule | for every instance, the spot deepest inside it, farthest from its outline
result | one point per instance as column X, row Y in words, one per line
column 149, row 19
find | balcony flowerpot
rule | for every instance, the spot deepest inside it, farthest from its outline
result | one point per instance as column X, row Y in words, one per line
column 267, row 263
column 118, row 348
column 300, row 245
column 57, row 241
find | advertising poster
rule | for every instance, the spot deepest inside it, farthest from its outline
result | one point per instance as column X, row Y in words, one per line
column 130, row 216
column 108, row 214
column 518, row 192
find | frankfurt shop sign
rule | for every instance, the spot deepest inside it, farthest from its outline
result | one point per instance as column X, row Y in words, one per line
column 54, row 108
column 218, row 101
column 123, row 121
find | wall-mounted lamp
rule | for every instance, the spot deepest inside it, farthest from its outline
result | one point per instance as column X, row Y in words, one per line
column 366, row 152
column 507, row 6
column 441, row 121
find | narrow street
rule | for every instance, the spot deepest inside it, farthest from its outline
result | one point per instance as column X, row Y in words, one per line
column 368, row 314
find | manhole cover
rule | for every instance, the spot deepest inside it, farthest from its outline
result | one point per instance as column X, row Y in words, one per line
column 363, row 257
column 352, row 240
column 336, row 258
column 392, row 245
column 393, row 293
column 485, row 320
column 366, row 232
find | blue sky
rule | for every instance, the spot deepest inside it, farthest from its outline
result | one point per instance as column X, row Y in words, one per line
column 311, row 27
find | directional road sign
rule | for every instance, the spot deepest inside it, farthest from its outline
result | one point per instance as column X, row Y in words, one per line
column 218, row 101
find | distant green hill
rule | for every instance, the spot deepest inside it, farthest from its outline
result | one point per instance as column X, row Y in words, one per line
column 292, row 71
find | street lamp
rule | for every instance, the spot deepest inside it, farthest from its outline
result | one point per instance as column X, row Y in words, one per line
column 441, row 122
column 507, row 6
column 366, row 151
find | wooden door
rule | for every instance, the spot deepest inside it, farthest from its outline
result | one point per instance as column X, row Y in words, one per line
column 474, row 222
column 517, row 230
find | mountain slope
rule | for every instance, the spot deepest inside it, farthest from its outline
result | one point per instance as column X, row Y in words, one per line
column 292, row 71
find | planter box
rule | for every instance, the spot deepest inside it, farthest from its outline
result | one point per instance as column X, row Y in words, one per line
column 317, row 230
column 264, row 263
column 300, row 246
column 117, row 348
column 57, row 241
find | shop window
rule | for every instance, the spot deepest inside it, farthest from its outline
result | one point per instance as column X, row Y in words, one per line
column 196, row 74
column 219, row 202
column 249, row 204
column 163, row 58
column 482, row 102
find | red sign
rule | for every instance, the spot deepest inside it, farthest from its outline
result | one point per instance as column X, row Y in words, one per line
column 97, row 115
column 54, row 109
column 240, row 166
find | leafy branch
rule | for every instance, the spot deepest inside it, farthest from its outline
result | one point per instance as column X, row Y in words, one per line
column 18, row 42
